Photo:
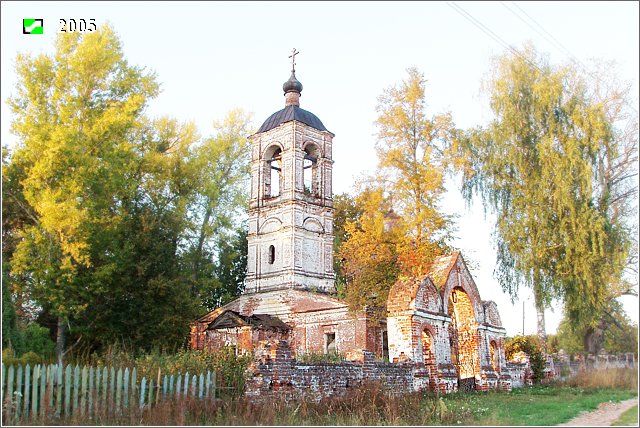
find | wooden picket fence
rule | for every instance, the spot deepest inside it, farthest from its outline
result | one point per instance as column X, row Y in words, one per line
column 30, row 393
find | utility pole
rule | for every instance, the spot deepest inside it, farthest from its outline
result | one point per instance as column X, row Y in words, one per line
column 523, row 317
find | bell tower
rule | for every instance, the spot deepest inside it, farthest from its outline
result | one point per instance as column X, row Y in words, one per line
column 290, row 236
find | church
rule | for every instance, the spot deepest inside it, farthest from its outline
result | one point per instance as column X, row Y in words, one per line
column 438, row 321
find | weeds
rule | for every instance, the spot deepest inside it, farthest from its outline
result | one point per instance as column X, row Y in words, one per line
column 364, row 406
column 228, row 367
column 313, row 358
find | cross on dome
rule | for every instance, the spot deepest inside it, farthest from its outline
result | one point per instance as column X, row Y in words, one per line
column 293, row 59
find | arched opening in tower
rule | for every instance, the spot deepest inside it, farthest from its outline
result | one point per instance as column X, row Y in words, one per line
column 310, row 169
column 463, row 334
column 273, row 172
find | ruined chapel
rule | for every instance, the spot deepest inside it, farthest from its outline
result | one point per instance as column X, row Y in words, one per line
column 437, row 321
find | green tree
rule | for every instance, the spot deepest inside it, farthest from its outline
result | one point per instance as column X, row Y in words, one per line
column 535, row 166
column 75, row 112
column 119, row 224
column 231, row 268
column 346, row 211
column 220, row 169
column 11, row 335
column 615, row 193
column 616, row 333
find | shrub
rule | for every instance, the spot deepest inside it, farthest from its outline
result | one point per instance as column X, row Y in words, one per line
column 30, row 358
column 531, row 346
column 229, row 367
column 38, row 341
column 9, row 358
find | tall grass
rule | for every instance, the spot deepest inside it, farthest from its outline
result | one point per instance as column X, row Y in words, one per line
column 540, row 405
column 612, row 378
column 366, row 406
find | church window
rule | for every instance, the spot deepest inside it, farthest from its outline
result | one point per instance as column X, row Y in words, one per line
column 272, row 254
column 330, row 343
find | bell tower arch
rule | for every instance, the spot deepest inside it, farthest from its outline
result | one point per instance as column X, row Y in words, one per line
column 290, row 236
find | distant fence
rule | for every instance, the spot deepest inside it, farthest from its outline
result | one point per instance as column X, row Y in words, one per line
column 32, row 393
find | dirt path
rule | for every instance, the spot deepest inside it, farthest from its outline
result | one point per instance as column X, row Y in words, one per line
column 605, row 415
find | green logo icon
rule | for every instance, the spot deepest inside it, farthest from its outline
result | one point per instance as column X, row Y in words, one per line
column 32, row 26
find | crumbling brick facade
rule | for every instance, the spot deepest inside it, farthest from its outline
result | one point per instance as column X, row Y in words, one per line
column 274, row 373
column 464, row 337
column 314, row 319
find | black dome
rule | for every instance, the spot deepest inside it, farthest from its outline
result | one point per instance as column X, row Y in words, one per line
column 290, row 113
column 292, row 85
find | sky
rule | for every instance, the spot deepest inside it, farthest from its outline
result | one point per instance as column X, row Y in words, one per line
column 211, row 57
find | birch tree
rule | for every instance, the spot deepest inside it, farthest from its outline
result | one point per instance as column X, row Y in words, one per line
column 536, row 166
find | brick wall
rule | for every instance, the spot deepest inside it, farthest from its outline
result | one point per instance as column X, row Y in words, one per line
column 561, row 366
column 274, row 372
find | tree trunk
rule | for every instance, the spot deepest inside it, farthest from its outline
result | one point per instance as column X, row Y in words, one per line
column 542, row 333
column 60, row 339
column 201, row 239
column 594, row 338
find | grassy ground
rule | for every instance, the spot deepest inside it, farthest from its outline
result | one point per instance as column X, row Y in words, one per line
column 628, row 418
column 539, row 405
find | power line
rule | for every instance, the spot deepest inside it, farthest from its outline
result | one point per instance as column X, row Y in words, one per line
column 554, row 41
column 480, row 25
column 460, row 10
column 551, row 38
column 490, row 33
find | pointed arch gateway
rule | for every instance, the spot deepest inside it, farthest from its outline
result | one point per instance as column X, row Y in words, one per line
column 463, row 334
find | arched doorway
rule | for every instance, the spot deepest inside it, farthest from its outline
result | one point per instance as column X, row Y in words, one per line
column 463, row 337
